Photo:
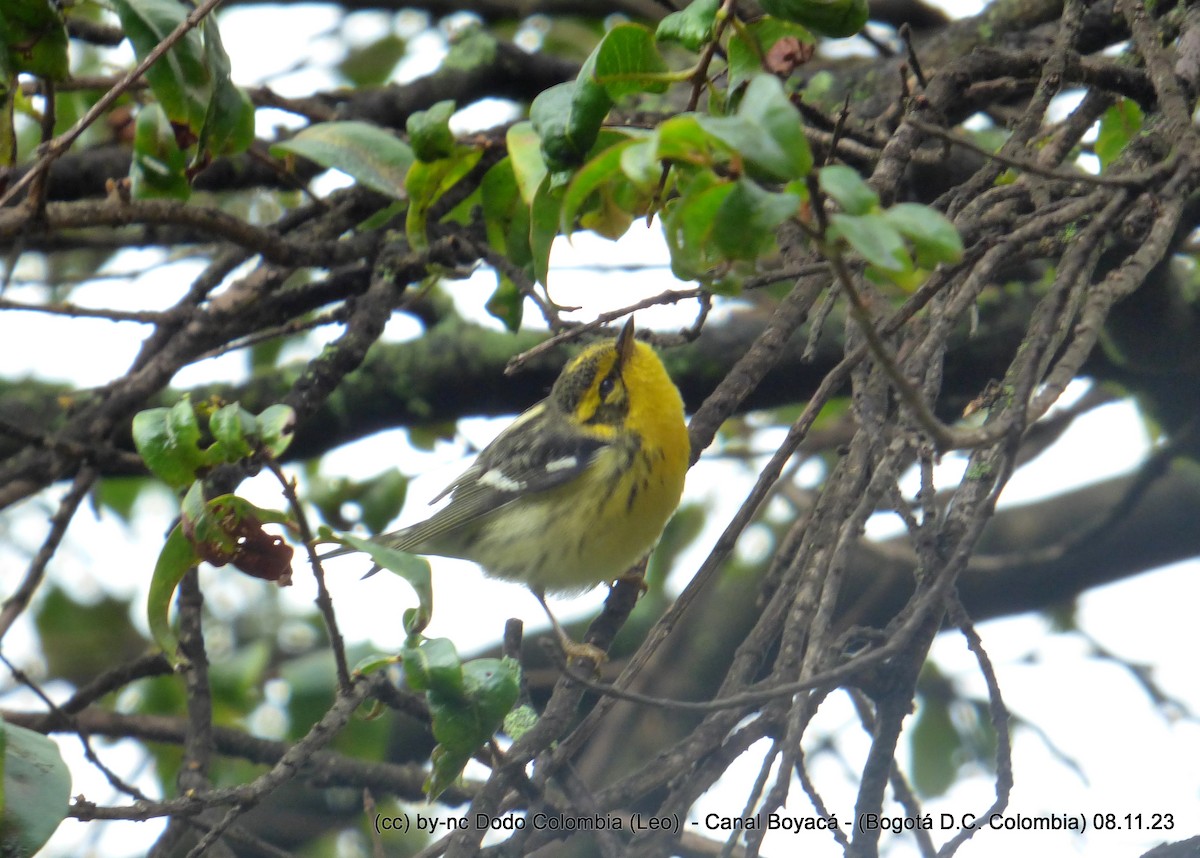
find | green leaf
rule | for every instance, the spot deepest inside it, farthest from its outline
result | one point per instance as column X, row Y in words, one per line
column 626, row 62
column 471, row 49
column 549, row 116
column 934, row 743
column 229, row 121
column 370, row 155
column 237, row 678
column 176, row 557
column 692, row 27
column 381, row 498
column 119, row 494
column 410, row 567
column 79, row 641
column 683, row 529
column 588, row 108
column 264, row 355
column 238, row 433
column 277, row 428
column 492, row 685
column 544, row 218
column 837, row 18
column 192, row 506
column 567, row 119
column 683, row 139
column 372, row 64
column 506, row 213
column 745, row 58
column 506, row 303
column 821, row 92
column 167, row 439
column 978, row 733
column 429, row 132
column 425, row 184
column 159, row 167
column 688, row 227
column 766, row 131
column 528, row 165
column 33, row 39
column 1119, row 124
column 506, row 220
column 749, row 46
column 932, row 234
column 184, row 431
column 447, row 763
column 846, row 187
column 466, row 719
column 372, row 663
column 434, row 666
column 616, row 205
column 380, row 220
column 468, row 703
column 876, row 239
column 235, row 429
column 600, row 170
column 641, row 165
column 181, row 80
column 745, row 222
column 35, row 790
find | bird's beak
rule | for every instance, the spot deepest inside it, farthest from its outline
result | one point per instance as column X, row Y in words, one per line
column 625, row 341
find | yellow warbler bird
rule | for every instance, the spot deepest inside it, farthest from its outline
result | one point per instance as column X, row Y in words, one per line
column 579, row 487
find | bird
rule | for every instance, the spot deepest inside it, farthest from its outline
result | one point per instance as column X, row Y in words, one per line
column 577, row 489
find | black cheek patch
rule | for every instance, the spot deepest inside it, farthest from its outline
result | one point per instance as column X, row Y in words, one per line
column 570, row 390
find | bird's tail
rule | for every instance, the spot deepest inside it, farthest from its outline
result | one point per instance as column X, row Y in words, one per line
column 344, row 550
column 337, row 552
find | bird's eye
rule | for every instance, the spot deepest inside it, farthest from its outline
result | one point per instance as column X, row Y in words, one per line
column 607, row 384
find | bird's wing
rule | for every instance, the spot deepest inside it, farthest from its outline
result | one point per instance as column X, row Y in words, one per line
column 520, row 462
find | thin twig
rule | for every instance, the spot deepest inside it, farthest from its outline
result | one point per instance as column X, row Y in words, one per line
column 150, row 317
column 1139, row 179
column 191, row 777
column 324, row 601
column 244, row 796
column 839, row 128
column 287, row 329
column 900, row 787
column 671, row 296
column 909, row 395
column 724, row 17
column 151, row 664
column 913, row 62
column 207, row 221
column 524, row 283
column 1000, row 723
column 64, row 718
column 15, row 604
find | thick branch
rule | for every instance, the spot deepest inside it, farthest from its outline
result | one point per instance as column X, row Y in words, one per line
column 457, row 370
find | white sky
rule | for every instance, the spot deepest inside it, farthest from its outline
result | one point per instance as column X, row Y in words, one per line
column 1135, row 759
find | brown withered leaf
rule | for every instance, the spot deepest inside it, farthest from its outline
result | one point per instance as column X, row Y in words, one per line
column 787, row 55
